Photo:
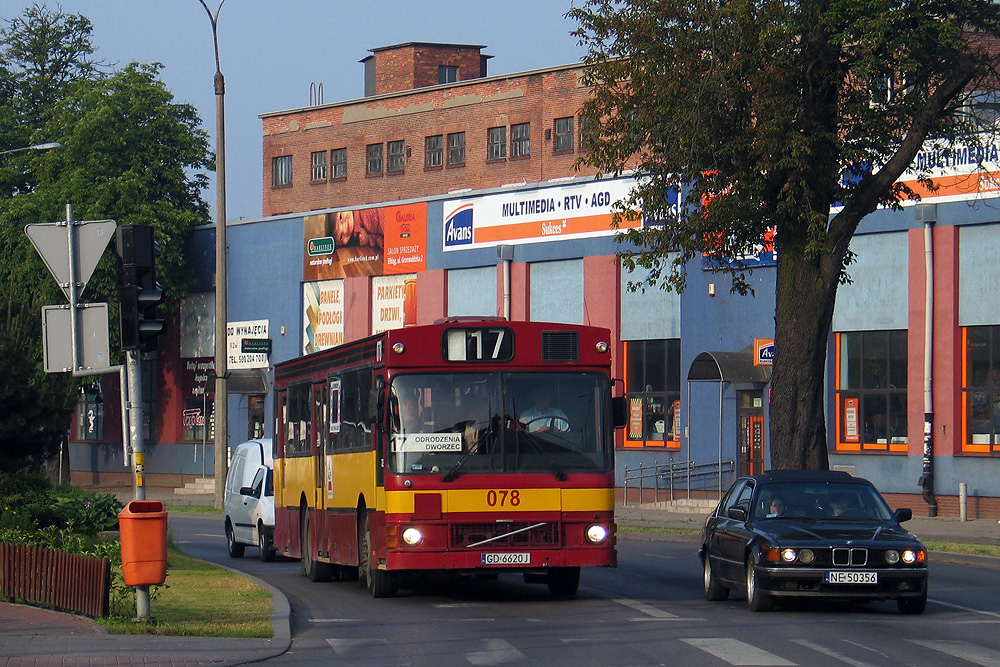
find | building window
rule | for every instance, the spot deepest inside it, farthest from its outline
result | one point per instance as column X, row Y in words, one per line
column 981, row 390
column 871, row 391
column 447, row 73
column 433, row 151
column 520, row 140
column 496, row 143
column 653, row 391
column 374, row 162
column 563, row 131
column 319, row 166
column 397, row 157
column 90, row 422
column 587, row 135
column 281, row 171
column 456, row 148
column 338, row 163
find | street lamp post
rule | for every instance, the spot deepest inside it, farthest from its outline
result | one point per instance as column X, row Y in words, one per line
column 41, row 148
column 221, row 389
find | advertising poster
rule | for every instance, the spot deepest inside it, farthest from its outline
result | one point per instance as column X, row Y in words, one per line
column 578, row 211
column 405, row 239
column 322, row 315
column 393, row 302
column 365, row 242
column 957, row 173
column 236, row 332
column 851, row 433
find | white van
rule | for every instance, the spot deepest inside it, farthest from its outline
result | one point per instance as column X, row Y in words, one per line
column 249, row 499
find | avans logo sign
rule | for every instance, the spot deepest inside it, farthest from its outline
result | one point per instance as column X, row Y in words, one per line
column 458, row 227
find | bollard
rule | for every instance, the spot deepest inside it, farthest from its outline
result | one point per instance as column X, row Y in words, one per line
column 963, row 501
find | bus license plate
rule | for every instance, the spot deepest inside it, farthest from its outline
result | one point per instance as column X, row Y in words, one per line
column 522, row 558
column 852, row 577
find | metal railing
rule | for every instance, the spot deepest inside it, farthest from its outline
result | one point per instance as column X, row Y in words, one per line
column 666, row 476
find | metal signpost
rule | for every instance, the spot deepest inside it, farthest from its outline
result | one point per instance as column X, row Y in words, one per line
column 71, row 250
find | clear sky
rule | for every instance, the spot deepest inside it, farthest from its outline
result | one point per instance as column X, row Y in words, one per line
column 272, row 51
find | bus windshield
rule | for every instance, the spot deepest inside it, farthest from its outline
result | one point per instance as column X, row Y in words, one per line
column 453, row 424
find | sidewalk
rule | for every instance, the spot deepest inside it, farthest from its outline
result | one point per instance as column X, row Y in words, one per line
column 33, row 636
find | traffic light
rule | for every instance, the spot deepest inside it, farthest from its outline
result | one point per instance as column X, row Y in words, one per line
column 138, row 290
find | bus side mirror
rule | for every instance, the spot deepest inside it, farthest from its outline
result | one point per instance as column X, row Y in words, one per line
column 619, row 411
column 374, row 411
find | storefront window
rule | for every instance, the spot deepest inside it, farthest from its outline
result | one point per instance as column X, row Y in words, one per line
column 981, row 393
column 653, row 389
column 871, row 391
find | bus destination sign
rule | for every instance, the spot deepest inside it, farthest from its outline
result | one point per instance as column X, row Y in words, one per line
column 478, row 344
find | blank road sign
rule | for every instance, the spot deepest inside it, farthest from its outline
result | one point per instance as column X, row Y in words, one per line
column 57, row 344
column 51, row 240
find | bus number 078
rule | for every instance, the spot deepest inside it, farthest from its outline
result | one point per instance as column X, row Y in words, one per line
column 503, row 497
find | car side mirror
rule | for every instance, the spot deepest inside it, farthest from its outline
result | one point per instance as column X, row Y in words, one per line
column 246, row 490
column 737, row 513
column 903, row 514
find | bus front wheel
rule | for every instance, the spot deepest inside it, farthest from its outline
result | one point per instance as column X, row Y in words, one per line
column 380, row 584
column 563, row 581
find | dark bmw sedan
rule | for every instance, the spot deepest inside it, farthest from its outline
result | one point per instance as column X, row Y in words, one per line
column 811, row 534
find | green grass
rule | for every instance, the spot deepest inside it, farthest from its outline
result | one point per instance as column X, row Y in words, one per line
column 201, row 599
column 964, row 548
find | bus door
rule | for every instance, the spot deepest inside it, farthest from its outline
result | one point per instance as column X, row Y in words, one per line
column 751, row 416
column 321, row 435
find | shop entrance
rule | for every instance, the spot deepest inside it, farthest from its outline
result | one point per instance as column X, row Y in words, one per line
column 751, row 418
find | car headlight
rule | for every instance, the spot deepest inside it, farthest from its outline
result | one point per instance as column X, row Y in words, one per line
column 788, row 555
column 412, row 536
column 596, row 533
column 807, row 556
column 911, row 556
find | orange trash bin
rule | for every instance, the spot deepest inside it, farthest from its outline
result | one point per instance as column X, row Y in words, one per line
column 143, row 530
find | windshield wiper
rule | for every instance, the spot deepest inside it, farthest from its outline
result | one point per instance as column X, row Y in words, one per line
column 481, row 446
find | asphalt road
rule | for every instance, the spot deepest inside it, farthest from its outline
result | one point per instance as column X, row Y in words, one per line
column 648, row 611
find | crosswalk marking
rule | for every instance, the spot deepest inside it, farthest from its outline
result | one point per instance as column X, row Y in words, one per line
column 829, row 652
column 341, row 646
column 736, row 652
column 979, row 655
column 497, row 652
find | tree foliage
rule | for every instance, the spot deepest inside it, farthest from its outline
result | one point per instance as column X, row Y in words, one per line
column 774, row 111
column 130, row 153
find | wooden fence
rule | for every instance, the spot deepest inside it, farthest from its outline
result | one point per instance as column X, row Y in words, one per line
column 55, row 579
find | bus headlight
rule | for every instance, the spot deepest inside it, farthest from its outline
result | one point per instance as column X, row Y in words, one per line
column 398, row 348
column 602, row 347
column 596, row 533
column 412, row 536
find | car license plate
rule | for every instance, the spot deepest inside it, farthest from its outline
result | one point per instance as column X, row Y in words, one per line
column 520, row 558
column 841, row 577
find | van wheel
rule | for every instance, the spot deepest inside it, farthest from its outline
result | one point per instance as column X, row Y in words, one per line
column 380, row 584
column 235, row 548
column 264, row 545
column 311, row 568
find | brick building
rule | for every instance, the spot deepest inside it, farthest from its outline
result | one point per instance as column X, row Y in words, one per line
column 435, row 123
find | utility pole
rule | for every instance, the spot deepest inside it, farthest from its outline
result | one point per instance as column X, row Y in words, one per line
column 221, row 311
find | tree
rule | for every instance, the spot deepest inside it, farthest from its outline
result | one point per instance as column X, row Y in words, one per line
column 130, row 154
column 774, row 111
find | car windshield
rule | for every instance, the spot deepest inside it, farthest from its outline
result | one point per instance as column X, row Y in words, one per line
column 820, row 500
column 452, row 424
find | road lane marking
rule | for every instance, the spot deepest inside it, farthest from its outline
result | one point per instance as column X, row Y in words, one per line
column 958, row 606
column 341, row 646
column 736, row 652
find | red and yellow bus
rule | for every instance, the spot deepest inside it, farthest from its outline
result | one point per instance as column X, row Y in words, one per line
column 471, row 446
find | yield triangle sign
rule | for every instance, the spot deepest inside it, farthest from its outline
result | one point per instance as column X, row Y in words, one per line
column 51, row 240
